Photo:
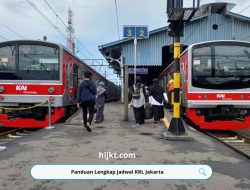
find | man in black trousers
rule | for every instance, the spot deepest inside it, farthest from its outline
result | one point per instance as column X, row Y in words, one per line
column 86, row 99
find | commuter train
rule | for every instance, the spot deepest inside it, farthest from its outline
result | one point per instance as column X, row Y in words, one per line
column 215, row 84
column 32, row 72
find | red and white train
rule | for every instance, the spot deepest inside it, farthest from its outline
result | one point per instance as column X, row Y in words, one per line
column 215, row 84
column 32, row 72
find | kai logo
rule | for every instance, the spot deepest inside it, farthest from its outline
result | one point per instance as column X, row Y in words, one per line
column 21, row 87
column 221, row 95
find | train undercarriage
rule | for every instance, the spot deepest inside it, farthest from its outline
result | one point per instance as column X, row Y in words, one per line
column 30, row 118
column 219, row 118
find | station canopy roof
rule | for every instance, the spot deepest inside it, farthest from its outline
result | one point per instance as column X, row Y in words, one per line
column 152, row 52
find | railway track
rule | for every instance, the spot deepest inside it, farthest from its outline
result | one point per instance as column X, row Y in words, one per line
column 235, row 140
column 8, row 134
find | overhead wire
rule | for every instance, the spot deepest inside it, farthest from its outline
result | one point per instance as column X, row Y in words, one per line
column 58, row 30
column 84, row 47
column 89, row 52
column 49, row 21
column 46, row 18
column 85, row 56
column 7, row 27
column 65, row 25
column 55, row 13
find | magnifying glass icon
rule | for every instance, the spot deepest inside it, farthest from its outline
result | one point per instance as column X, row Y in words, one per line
column 202, row 171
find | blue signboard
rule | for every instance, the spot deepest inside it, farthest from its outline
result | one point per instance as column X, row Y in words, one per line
column 135, row 31
column 141, row 32
column 138, row 71
column 128, row 32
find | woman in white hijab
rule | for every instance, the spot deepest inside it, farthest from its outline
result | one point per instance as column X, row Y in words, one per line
column 100, row 101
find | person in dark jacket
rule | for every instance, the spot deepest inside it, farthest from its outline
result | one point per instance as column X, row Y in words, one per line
column 86, row 99
column 100, row 101
column 157, row 95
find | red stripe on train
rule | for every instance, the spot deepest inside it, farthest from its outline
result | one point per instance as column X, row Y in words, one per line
column 31, row 89
column 219, row 96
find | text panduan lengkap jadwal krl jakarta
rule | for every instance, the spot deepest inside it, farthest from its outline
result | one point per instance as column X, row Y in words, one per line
column 117, row 172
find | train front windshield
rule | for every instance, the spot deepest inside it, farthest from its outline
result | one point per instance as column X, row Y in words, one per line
column 29, row 62
column 221, row 66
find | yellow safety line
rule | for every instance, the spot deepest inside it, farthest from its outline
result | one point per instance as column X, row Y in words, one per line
column 166, row 122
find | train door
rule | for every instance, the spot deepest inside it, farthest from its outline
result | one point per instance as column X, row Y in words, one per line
column 75, row 81
column 67, row 96
column 183, row 71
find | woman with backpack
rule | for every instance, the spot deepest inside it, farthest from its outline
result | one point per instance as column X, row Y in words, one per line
column 138, row 101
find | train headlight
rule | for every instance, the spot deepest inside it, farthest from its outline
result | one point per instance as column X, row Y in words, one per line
column 51, row 89
column 242, row 96
column 2, row 89
column 198, row 112
column 1, row 97
column 51, row 99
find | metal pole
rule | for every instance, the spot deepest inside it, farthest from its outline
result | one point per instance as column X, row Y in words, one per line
column 49, row 115
column 176, row 124
column 135, row 46
column 49, row 103
column 122, row 81
column 126, row 94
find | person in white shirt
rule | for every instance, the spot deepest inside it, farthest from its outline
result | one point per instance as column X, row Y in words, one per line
column 138, row 101
column 157, row 95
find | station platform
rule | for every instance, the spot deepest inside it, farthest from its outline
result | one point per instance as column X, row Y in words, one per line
column 71, row 143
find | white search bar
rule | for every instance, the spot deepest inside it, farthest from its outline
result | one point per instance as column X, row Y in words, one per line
column 121, row 172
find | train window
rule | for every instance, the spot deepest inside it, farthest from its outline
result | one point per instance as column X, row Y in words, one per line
column 75, row 76
column 41, row 58
column 222, row 66
column 202, row 62
column 37, row 62
column 7, row 59
column 67, row 73
column 80, row 74
column 232, row 61
column 95, row 80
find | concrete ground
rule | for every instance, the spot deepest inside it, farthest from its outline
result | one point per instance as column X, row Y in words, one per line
column 71, row 144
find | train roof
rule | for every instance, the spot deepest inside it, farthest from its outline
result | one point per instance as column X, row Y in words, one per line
column 57, row 45
column 168, row 68
column 218, row 41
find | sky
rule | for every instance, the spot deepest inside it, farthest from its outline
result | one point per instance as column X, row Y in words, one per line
column 94, row 21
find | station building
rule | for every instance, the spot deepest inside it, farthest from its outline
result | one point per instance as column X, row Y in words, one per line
column 211, row 22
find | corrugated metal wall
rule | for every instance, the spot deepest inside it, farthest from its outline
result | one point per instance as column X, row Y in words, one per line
column 149, row 51
column 241, row 30
column 201, row 30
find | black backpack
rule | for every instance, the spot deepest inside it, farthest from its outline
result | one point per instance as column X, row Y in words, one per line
column 136, row 94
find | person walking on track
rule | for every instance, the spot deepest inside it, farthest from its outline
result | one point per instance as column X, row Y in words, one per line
column 86, row 99
column 157, row 95
column 100, row 101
